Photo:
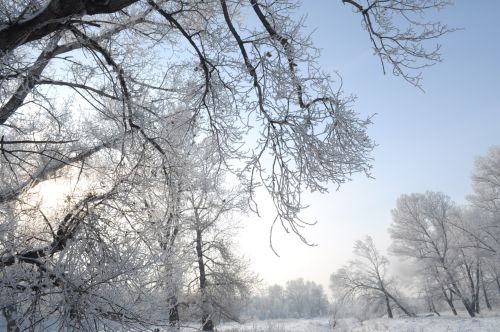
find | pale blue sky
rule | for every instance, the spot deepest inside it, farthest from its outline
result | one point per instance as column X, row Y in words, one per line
column 426, row 141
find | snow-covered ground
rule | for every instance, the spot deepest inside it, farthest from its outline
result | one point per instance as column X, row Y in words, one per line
column 445, row 323
column 279, row 325
column 488, row 322
column 424, row 324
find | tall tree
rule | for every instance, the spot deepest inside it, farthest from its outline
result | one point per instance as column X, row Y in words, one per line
column 423, row 228
column 221, row 276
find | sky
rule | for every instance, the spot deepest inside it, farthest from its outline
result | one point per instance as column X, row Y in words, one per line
column 425, row 140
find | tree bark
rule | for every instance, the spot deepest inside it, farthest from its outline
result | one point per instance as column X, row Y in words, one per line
column 52, row 18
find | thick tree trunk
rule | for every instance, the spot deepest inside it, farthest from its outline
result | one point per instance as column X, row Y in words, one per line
column 206, row 321
column 54, row 17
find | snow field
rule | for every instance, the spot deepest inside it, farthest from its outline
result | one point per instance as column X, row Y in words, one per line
column 417, row 324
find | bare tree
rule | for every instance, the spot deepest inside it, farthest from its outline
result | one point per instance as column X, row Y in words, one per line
column 366, row 278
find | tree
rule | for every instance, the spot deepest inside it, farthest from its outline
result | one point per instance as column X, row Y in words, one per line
column 300, row 299
column 269, row 303
column 366, row 278
column 486, row 199
column 485, row 217
column 424, row 228
column 305, row 299
column 102, row 94
column 275, row 304
column 221, row 277
column 486, row 181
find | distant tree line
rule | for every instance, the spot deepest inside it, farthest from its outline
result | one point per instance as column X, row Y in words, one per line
column 455, row 250
column 298, row 299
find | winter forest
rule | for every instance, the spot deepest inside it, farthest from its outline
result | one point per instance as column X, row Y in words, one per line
column 137, row 137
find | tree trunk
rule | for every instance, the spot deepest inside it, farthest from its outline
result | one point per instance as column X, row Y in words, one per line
column 476, row 297
column 485, row 294
column 206, row 321
column 432, row 307
column 471, row 286
column 9, row 312
column 173, row 313
column 388, row 304
column 449, row 300
column 167, row 244
column 400, row 306
column 52, row 18
column 457, row 291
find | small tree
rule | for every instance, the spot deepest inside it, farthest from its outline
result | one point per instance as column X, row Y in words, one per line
column 366, row 278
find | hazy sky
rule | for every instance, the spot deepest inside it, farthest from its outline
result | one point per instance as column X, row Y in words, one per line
column 426, row 141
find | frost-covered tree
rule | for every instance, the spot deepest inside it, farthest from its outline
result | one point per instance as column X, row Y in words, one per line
column 221, row 278
column 456, row 247
column 305, row 299
column 299, row 299
column 424, row 228
column 485, row 218
column 486, row 182
column 366, row 279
